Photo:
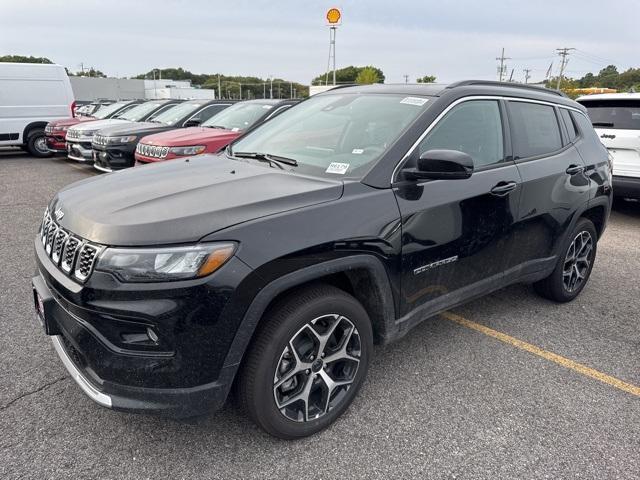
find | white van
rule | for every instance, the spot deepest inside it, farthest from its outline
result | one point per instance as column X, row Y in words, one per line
column 616, row 119
column 32, row 95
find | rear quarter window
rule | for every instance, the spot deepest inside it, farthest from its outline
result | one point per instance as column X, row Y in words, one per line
column 569, row 124
column 534, row 129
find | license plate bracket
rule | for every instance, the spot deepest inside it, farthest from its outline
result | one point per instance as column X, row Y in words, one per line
column 44, row 304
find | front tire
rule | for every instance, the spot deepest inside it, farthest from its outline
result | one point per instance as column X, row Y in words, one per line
column 37, row 144
column 307, row 362
column 574, row 265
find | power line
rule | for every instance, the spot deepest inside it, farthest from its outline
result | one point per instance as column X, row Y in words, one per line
column 502, row 69
column 564, row 53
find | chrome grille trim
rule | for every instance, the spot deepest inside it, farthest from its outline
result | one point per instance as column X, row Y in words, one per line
column 73, row 255
column 152, row 150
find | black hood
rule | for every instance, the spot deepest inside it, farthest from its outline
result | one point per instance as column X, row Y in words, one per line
column 182, row 201
column 136, row 128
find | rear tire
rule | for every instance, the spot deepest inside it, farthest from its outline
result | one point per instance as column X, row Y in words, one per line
column 36, row 144
column 574, row 266
column 306, row 362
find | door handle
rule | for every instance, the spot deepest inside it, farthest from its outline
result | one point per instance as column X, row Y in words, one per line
column 573, row 169
column 503, row 188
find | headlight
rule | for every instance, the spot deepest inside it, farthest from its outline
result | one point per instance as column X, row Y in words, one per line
column 128, row 139
column 60, row 129
column 165, row 264
column 191, row 150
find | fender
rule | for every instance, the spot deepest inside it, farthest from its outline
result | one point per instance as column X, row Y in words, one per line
column 604, row 202
column 31, row 126
column 270, row 291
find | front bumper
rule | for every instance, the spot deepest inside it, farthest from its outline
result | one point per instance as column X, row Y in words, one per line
column 183, row 375
column 116, row 157
column 56, row 143
column 79, row 151
column 628, row 187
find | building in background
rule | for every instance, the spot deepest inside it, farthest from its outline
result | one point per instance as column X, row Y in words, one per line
column 94, row 88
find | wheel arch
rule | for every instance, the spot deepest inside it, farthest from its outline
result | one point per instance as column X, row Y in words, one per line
column 362, row 276
column 32, row 126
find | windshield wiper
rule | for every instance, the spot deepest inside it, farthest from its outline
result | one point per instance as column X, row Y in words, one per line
column 602, row 124
column 272, row 159
column 215, row 126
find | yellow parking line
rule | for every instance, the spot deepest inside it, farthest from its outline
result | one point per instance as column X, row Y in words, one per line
column 560, row 360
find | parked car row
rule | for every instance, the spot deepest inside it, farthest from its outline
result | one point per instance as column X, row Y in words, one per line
column 119, row 135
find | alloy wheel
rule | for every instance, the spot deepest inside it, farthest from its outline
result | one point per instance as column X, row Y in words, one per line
column 316, row 368
column 577, row 261
column 41, row 144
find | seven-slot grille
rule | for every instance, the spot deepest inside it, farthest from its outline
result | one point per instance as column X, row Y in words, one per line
column 73, row 255
column 72, row 133
column 152, row 150
column 100, row 140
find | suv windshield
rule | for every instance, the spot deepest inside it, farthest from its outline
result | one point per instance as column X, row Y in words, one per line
column 104, row 112
column 335, row 135
column 177, row 113
column 622, row 114
column 141, row 111
column 239, row 116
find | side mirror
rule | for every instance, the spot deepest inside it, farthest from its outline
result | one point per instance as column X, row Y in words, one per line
column 193, row 122
column 441, row 165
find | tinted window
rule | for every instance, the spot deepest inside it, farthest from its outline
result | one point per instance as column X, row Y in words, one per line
column 568, row 121
column 473, row 127
column 107, row 110
column 534, row 129
column 210, row 111
column 623, row 114
column 178, row 112
column 137, row 113
column 584, row 126
column 239, row 116
column 161, row 110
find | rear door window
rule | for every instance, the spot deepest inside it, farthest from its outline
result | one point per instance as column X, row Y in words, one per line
column 534, row 129
column 621, row 114
column 568, row 122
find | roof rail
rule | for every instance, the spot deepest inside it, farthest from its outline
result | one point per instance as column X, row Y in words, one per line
column 493, row 83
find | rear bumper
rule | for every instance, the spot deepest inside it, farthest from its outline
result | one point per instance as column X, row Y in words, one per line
column 628, row 187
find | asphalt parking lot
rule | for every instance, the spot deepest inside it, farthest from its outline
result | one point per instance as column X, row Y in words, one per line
column 461, row 397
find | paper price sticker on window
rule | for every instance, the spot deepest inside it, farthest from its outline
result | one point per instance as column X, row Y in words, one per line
column 417, row 101
column 339, row 168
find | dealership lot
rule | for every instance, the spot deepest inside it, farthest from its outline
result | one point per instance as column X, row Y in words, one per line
column 448, row 401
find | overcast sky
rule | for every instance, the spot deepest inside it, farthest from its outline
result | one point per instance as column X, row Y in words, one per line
column 289, row 39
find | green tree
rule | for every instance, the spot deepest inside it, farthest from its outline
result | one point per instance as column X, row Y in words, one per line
column 23, row 59
column 427, row 79
column 367, row 76
column 346, row 75
column 92, row 72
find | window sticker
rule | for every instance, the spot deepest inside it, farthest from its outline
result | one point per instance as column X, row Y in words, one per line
column 417, row 101
column 339, row 168
column 357, row 151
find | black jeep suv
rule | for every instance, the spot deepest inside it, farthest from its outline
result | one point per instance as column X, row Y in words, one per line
column 276, row 265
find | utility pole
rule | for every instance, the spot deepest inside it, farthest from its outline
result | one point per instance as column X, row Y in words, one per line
column 264, row 90
column 270, row 86
column 219, row 89
column 564, row 53
column 526, row 75
column 406, row 78
column 291, row 88
column 240, row 85
column 502, row 69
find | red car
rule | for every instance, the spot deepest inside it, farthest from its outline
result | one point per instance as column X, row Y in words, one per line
column 210, row 136
column 56, row 132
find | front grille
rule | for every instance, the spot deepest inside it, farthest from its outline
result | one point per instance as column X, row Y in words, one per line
column 152, row 150
column 73, row 255
column 100, row 140
column 72, row 133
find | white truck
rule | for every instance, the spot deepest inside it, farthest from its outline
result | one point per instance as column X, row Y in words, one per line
column 616, row 119
column 32, row 95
